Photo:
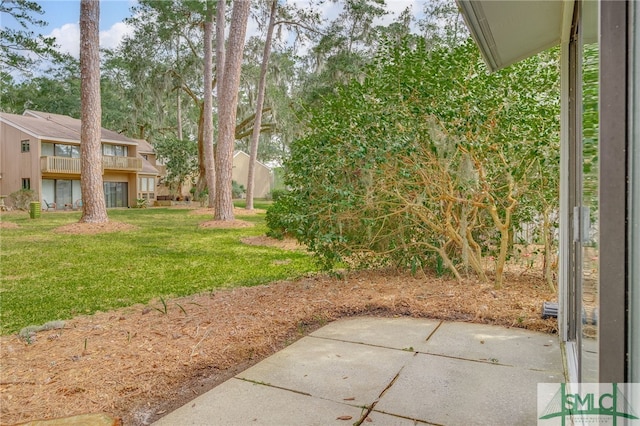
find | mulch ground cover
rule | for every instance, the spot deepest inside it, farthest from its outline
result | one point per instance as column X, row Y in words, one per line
column 139, row 363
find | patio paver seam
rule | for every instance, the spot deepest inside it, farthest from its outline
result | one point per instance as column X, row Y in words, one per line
column 269, row 385
column 255, row 382
column 409, row 349
column 372, row 406
column 489, row 362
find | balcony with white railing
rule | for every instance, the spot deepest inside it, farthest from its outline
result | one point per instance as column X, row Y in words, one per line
column 131, row 164
column 53, row 164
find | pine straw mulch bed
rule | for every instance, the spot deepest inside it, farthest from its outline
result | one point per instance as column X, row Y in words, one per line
column 94, row 228
column 139, row 363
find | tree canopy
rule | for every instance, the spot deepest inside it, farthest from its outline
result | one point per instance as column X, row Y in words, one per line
column 22, row 47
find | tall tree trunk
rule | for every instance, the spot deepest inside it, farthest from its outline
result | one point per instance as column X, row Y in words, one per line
column 227, row 107
column 207, row 132
column 94, row 209
column 201, row 183
column 255, row 137
column 220, row 51
column 178, row 97
column 220, row 57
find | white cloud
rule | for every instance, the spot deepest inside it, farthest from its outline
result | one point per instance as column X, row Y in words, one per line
column 68, row 37
column 111, row 38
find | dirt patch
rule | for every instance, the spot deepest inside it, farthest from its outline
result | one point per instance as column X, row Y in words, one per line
column 141, row 362
column 94, row 228
column 9, row 225
column 262, row 240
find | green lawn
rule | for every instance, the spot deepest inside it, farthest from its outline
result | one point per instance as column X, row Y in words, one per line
column 48, row 276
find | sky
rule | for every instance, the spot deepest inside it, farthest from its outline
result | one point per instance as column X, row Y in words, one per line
column 63, row 17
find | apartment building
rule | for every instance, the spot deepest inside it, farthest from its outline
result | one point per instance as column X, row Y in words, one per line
column 41, row 151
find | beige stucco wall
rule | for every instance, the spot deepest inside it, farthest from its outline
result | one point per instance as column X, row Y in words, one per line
column 27, row 164
column 262, row 175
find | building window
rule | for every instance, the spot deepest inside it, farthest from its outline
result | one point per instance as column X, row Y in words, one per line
column 26, row 183
column 24, row 145
column 61, row 150
column 115, row 150
column 146, row 188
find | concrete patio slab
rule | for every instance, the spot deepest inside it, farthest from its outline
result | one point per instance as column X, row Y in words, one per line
column 397, row 333
column 462, row 374
column 331, row 369
column 494, row 344
column 238, row 402
column 450, row 391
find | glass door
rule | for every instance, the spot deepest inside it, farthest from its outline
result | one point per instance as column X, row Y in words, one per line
column 63, row 193
column 634, row 203
column 588, row 289
column 116, row 194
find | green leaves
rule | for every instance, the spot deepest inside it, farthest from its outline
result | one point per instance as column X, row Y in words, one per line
column 409, row 164
column 179, row 156
column 18, row 46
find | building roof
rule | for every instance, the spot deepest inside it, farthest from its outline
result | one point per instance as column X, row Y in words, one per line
column 144, row 147
column 508, row 31
column 241, row 152
column 56, row 127
column 148, row 168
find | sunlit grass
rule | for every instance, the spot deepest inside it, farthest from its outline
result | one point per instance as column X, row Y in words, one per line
column 48, row 276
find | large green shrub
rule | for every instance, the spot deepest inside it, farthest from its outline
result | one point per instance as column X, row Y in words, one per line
column 283, row 218
column 428, row 161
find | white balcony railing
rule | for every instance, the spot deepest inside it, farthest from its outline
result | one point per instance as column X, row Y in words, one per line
column 60, row 165
column 121, row 163
column 52, row 164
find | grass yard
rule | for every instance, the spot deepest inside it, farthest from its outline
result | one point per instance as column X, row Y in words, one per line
column 49, row 276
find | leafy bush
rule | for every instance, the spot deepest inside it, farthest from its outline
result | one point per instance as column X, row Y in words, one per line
column 276, row 194
column 282, row 218
column 237, row 190
column 425, row 162
column 200, row 196
column 141, row 203
column 22, row 198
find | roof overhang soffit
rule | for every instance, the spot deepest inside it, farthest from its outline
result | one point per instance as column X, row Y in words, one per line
column 509, row 31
